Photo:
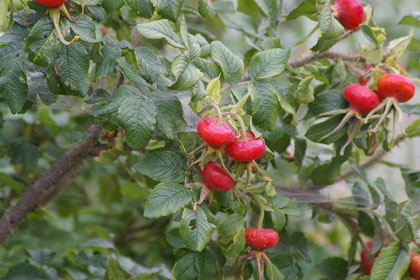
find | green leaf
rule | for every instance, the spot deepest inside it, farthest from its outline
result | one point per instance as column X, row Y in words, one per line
column 170, row 9
column 299, row 243
column 279, row 219
column 306, row 8
column 265, row 106
column 190, row 41
column 412, row 20
column 185, row 73
column 270, row 8
column 327, row 101
column 112, row 5
column 185, row 269
column 286, row 98
column 108, row 61
column 300, row 150
column 213, row 91
column 42, row 44
column 150, row 65
column 164, row 166
column 327, row 173
column 41, row 257
column 131, row 72
column 13, row 84
column 24, row 271
column 86, row 28
column 317, row 131
column 114, row 271
column 174, row 239
column 166, row 199
column 231, row 225
column 208, row 67
column 138, row 118
column 206, row 264
column 169, row 116
column 270, row 63
column 195, row 230
column 97, row 243
column 413, row 130
column 143, row 8
column 334, row 268
column 305, row 91
column 239, row 21
column 231, row 64
column 73, row 68
column 238, row 244
column 160, row 29
column 391, row 264
column 205, row 8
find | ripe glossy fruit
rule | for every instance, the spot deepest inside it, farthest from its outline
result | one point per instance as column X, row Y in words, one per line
column 246, row 149
column 365, row 263
column 51, row 3
column 362, row 100
column 414, row 267
column 261, row 239
column 396, row 86
column 215, row 178
column 214, row 134
column 349, row 13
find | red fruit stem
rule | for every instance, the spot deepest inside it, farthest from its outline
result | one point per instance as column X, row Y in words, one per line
column 241, row 123
column 343, row 122
column 354, row 130
column 55, row 18
column 64, row 10
column 248, row 174
column 82, row 4
column 219, row 113
column 267, row 260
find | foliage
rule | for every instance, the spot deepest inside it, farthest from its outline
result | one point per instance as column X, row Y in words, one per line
column 144, row 72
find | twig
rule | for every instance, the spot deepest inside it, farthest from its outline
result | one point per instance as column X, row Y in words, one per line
column 52, row 182
column 353, row 227
column 298, row 62
column 6, row 202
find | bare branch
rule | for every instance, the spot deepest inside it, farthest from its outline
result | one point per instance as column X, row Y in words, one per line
column 298, row 62
column 52, row 182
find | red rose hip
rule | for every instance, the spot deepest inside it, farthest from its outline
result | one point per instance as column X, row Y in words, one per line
column 51, row 3
column 414, row 267
column 365, row 262
column 246, row 149
column 362, row 100
column 215, row 178
column 349, row 13
column 216, row 134
column 396, row 86
column 261, row 239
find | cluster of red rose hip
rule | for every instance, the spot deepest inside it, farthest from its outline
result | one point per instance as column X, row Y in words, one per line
column 246, row 148
column 366, row 263
column 217, row 133
column 394, row 88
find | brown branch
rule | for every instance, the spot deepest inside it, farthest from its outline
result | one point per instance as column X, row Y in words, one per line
column 298, row 62
column 52, row 182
